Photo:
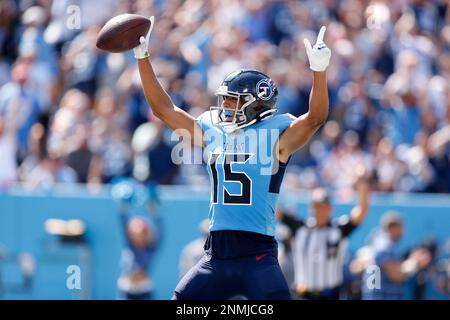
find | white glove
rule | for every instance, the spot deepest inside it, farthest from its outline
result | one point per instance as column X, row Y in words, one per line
column 141, row 51
column 319, row 55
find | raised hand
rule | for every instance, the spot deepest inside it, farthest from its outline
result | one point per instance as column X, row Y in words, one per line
column 141, row 51
column 318, row 55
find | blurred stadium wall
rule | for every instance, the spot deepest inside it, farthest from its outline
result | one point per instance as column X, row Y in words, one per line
column 23, row 216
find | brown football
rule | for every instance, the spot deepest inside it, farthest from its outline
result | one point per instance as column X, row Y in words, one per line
column 122, row 32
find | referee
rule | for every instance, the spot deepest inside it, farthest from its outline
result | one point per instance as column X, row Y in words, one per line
column 319, row 244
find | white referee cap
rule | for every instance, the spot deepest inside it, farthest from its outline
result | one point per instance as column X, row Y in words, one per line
column 320, row 195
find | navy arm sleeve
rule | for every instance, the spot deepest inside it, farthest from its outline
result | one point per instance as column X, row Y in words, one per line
column 293, row 223
column 346, row 225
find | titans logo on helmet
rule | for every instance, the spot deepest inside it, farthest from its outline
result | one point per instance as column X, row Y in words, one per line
column 265, row 89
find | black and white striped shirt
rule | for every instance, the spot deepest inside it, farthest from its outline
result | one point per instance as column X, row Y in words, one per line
column 318, row 252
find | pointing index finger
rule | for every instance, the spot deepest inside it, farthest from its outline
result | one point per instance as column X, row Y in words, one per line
column 321, row 34
column 152, row 23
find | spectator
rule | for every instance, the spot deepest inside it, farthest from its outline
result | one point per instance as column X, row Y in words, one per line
column 142, row 239
column 441, row 277
column 394, row 271
column 193, row 251
column 8, row 165
column 81, row 158
column 72, row 113
column 42, row 56
column 37, row 142
column 50, row 171
column 338, row 168
column 82, row 61
column 8, row 32
column 19, row 105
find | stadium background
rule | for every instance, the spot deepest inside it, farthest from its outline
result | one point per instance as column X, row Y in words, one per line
column 73, row 112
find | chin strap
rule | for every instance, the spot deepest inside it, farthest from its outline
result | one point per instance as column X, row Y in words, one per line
column 263, row 115
column 266, row 113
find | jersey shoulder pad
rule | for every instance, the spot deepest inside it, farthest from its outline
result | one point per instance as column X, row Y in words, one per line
column 281, row 121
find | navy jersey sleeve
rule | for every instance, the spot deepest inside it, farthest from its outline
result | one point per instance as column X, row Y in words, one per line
column 346, row 225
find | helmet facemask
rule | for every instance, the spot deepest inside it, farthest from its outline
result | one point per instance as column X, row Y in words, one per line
column 231, row 119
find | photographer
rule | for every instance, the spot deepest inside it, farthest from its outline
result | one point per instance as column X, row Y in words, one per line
column 394, row 271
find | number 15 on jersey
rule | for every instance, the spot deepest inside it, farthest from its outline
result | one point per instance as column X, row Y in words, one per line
column 221, row 166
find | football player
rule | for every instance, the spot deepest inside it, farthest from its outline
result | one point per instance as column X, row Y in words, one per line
column 241, row 251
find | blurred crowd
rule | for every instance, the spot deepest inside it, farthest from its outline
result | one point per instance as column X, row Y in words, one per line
column 70, row 113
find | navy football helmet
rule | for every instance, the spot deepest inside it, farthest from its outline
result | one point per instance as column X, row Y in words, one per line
column 254, row 89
